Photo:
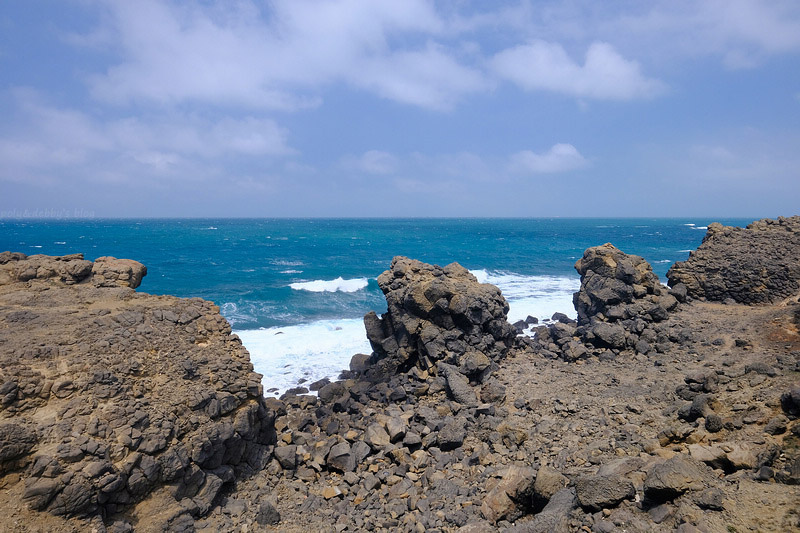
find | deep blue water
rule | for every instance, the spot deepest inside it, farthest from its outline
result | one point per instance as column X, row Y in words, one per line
column 246, row 266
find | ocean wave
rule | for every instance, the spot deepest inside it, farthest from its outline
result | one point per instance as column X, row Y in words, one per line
column 285, row 262
column 690, row 225
column 663, row 261
column 291, row 271
column 700, row 227
column 335, row 285
column 285, row 355
column 250, row 312
column 537, row 296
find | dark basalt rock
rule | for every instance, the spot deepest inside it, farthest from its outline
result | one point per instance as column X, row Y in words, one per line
column 620, row 305
column 758, row 264
column 437, row 314
column 611, row 281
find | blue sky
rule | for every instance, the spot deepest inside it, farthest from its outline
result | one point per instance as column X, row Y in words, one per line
column 400, row 108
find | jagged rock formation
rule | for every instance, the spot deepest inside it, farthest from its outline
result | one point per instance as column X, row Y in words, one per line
column 758, row 264
column 437, row 315
column 117, row 404
column 620, row 305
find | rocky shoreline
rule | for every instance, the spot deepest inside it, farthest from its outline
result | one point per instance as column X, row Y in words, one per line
column 659, row 409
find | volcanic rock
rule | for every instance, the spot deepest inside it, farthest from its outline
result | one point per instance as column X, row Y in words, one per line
column 111, row 395
column 439, row 314
column 758, row 264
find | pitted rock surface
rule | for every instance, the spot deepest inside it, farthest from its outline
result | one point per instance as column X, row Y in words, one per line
column 611, row 280
column 439, row 314
column 111, row 395
column 758, row 264
column 621, row 306
column 71, row 269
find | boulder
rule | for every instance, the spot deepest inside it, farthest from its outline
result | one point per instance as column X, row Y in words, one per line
column 452, row 435
column 110, row 271
column 600, row 492
column 670, row 479
column 511, row 497
column 790, row 402
column 376, row 436
column 341, row 458
column 458, row 386
column 439, row 314
column 548, row 482
column 268, row 514
column 611, row 278
column 554, row 518
column 16, row 441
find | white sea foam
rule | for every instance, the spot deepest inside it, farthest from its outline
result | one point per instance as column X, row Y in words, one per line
column 60, row 242
column 322, row 349
column 284, row 262
column 663, row 261
column 537, row 296
column 689, row 225
column 335, row 285
column 291, row 271
column 700, row 227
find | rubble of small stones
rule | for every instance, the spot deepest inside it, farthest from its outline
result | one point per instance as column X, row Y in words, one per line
column 654, row 411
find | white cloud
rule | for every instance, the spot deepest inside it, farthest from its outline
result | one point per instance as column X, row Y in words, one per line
column 281, row 55
column 742, row 33
column 560, row 158
column 605, row 75
column 49, row 141
column 427, row 78
column 373, row 162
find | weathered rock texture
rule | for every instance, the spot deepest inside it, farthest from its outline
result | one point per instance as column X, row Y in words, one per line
column 620, row 306
column 616, row 286
column 71, row 269
column 117, row 404
column 436, row 315
column 758, row 264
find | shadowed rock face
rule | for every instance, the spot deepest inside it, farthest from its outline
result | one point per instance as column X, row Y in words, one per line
column 621, row 305
column 610, row 281
column 758, row 264
column 439, row 314
column 108, row 395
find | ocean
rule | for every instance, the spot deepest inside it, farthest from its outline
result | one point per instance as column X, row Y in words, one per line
column 295, row 290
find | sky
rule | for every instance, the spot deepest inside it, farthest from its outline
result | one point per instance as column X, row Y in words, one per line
column 358, row 108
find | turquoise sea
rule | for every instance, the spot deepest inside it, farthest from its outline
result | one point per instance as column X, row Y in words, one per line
column 295, row 289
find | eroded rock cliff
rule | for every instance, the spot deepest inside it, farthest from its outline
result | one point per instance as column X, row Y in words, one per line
column 130, row 408
column 758, row 264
